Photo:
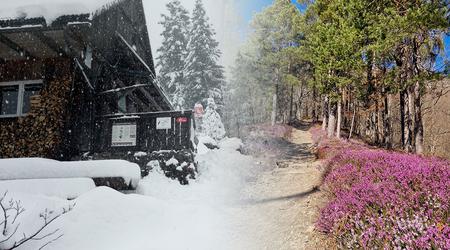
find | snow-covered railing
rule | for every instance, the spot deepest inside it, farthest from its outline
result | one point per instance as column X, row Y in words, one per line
column 39, row 168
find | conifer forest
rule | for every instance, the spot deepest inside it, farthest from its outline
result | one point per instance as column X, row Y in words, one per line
column 224, row 124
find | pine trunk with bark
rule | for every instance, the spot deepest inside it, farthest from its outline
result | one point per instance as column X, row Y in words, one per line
column 339, row 118
column 387, row 126
column 352, row 125
column 314, row 106
column 332, row 119
column 402, row 117
column 274, row 105
column 418, row 122
column 325, row 109
column 291, row 104
column 409, row 113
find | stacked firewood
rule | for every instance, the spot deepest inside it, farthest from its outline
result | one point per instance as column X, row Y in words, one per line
column 40, row 132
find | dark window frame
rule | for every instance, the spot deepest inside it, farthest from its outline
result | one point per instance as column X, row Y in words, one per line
column 20, row 97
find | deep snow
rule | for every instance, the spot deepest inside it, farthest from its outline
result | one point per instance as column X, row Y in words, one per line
column 162, row 215
column 62, row 187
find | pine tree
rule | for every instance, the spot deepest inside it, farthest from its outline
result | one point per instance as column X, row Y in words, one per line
column 173, row 51
column 276, row 39
column 212, row 125
column 205, row 77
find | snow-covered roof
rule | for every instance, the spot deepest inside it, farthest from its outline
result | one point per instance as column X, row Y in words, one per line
column 49, row 9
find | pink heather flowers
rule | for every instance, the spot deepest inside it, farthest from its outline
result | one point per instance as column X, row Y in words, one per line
column 385, row 200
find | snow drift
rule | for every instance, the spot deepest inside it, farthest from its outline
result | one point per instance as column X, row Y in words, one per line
column 163, row 215
column 62, row 188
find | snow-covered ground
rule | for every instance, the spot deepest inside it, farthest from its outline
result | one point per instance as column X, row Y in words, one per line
column 65, row 188
column 161, row 215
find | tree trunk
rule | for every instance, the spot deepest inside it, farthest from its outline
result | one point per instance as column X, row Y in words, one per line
column 353, row 121
column 300, row 101
column 274, row 106
column 325, row 108
column 418, row 122
column 339, row 118
column 387, row 127
column 376, row 127
column 238, row 127
column 409, row 112
column 291, row 105
column 314, row 106
column 332, row 120
column 402, row 117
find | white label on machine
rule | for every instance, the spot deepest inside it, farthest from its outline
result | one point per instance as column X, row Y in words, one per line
column 123, row 135
column 164, row 123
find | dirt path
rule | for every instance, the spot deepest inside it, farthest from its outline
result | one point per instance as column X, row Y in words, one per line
column 280, row 206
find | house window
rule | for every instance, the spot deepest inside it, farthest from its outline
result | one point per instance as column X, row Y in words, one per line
column 15, row 97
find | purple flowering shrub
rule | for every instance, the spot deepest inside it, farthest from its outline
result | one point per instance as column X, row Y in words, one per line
column 385, row 200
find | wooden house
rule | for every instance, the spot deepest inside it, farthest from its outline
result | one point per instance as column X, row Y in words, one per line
column 84, row 84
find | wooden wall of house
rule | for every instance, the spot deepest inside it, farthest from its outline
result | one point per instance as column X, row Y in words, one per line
column 41, row 132
column 149, row 138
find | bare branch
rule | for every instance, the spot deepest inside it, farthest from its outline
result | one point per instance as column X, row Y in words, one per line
column 4, row 213
column 18, row 209
column 14, row 209
column 44, row 216
column 48, row 243
column 11, row 235
column 45, row 236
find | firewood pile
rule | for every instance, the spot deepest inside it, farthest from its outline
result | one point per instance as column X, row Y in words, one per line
column 40, row 132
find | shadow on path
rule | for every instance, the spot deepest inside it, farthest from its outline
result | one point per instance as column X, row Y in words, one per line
column 284, row 198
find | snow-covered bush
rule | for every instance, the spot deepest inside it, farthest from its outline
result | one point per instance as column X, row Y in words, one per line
column 178, row 165
column 212, row 123
column 208, row 142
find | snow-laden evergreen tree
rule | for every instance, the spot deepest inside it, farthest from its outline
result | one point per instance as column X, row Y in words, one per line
column 212, row 125
column 204, row 75
column 173, row 51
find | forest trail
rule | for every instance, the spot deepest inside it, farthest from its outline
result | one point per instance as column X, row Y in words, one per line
column 280, row 206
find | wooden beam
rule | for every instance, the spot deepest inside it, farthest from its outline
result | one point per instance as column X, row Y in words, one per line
column 151, row 74
column 152, row 100
column 49, row 42
column 121, row 89
column 14, row 46
column 28, row 29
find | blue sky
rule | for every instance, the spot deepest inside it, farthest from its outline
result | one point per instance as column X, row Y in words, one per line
column 249, row 7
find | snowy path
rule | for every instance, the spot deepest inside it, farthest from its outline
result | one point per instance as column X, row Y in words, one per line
column 237, row 202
